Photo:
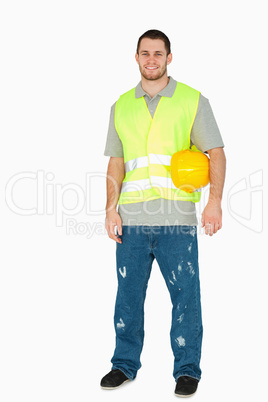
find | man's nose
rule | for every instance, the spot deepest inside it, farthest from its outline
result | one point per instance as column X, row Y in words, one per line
column 151, row 59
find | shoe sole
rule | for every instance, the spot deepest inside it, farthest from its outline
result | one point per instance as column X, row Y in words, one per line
column 110, row 388
column 184, row 396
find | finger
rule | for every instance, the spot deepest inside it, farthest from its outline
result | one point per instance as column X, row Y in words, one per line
column 119, row 228
column 212, row 229
column 209, row 228
column 219, row 226
column 118, row 232
column 216, row 227
column 112, row 234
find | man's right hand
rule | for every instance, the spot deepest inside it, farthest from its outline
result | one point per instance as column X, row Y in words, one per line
column 113, row 219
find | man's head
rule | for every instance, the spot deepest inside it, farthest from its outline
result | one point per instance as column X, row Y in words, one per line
column 153, row 54
column 155, row 34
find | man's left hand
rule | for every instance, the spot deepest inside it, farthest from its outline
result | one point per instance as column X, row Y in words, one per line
column 212, row 218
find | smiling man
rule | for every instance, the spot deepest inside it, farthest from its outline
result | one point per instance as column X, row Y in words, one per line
column 155, row 221
column 153, row 59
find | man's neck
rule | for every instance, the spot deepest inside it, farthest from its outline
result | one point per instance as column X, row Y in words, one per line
column 153, row 87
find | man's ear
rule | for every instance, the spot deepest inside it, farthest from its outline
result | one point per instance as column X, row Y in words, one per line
column 137, row 58
column 169, row 58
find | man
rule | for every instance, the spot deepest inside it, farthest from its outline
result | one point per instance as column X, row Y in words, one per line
column 155, row 221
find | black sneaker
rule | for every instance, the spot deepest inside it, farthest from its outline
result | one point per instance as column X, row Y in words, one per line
column 186, row 386
column 114, row 379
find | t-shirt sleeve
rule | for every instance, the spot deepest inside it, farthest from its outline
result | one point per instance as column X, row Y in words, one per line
column 114, row 145
column 205, row 132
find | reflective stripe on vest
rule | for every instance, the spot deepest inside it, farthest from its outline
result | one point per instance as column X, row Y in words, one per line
column 142, row 161
column 136, row 163
column 145, row 184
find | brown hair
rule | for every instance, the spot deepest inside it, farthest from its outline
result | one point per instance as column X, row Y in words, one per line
column 155, row 34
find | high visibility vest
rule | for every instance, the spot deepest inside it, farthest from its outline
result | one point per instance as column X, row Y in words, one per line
column 148, row 143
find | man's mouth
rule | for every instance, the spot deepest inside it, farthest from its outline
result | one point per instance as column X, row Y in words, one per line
column 151, row 67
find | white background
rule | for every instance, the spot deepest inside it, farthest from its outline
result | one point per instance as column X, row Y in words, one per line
column 63, row 64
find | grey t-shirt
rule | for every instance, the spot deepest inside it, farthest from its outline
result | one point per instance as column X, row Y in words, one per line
column 205, row 135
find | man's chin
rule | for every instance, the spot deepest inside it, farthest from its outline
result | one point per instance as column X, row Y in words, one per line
column 151, row 76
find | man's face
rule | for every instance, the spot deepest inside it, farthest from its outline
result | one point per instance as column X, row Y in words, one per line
column 153, row 59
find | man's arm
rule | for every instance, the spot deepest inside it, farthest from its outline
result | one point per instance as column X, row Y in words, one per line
column 115, row 177
column 212, row 214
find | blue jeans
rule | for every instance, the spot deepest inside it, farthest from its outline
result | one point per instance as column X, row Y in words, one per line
column 176, row 252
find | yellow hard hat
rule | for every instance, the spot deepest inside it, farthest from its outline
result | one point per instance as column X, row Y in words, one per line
column 189, row 170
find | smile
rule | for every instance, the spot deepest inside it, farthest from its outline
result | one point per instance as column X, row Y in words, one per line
column 151, row 67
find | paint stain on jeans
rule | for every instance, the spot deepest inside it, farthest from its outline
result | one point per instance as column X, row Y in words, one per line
column 180, row 319
column 190, row 268
column 120, row 324
column 123, row 272
column 180, row 341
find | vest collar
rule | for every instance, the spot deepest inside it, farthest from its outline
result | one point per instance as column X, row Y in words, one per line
column 168, row 91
